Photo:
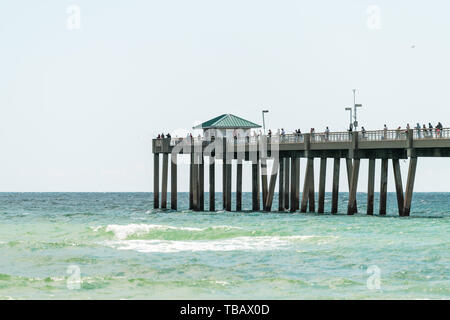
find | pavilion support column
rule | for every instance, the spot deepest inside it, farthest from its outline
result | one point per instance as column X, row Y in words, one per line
column 311, row 192
column 287, row 176
column 410, row 186
column 335, row 190
column 173, row 182
column 294, row 175
column 398, row 185
column 264, row 179
column 383, row 186
column 165, row 178
column 371, row 186
column 156, row 180
column 255, row 186
column 273, row 181
column 191, row 180
column 212, row 184
column 349, row 165
column 281, row 186
column 306, row 186
column 229, row 181
column 351, row 209
column 322, row 180
column 239, row 185
column 201, row 183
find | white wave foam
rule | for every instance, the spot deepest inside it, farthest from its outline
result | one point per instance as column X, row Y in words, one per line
column 121, row 232
column 234, row 244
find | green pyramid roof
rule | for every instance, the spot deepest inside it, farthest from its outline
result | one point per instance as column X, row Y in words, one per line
column 227, row 121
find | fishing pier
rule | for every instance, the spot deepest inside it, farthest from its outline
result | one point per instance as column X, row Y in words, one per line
column 227, row 141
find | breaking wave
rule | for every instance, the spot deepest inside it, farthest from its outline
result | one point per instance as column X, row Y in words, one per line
column 234, row 244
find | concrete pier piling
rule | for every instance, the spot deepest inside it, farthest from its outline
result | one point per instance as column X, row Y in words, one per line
column 271, row 189
column 281, row 185
column 349, row 165
column 335, row 190
column 212, row 184
column 201, row 183
column 191, row 180
column 410, row 186
column 351, row 209
column 165, row 177
column 306, row 186
column 383, row 186
column 156, row 180
column 398, row 185
column 311, row 190
column 264, row 180
column 322, row 181
column 371, row 186
column 228, row 170
column 173, row 182
column 286, row 153
column 287, row 179
column 255, row 186
column 239, row 186
column 294, row 184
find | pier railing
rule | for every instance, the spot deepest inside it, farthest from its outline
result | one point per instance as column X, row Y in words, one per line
column 322, row 137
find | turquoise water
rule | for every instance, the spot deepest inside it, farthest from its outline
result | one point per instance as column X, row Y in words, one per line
column 123, row 248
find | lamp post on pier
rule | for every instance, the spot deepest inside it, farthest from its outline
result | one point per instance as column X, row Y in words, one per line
column 264, row 124
column 355, row 105
column 350, row 109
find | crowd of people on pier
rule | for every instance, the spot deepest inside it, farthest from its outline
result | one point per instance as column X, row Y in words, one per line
column 421, row 131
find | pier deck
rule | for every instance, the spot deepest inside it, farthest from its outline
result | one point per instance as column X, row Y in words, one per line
column 286, row 151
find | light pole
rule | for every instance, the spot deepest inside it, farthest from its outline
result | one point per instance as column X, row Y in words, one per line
column 355, row 122
column 264, row 124
column 350, row 109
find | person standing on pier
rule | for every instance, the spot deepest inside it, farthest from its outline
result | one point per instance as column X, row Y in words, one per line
column 363, row 132
column 385, row 129
column 327, row 134
column 439, row 127
column 418, row 130
column 430, row 129
column 397, row 132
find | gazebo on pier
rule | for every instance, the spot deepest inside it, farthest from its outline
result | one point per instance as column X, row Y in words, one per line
column 224, row 126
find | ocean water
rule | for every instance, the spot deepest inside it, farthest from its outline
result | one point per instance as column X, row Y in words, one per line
column 115, row 246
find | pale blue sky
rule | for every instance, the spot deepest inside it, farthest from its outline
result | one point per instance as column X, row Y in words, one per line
column 79, row 107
